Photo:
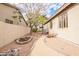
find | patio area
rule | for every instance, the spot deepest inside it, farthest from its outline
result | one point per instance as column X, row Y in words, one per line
column 55, row 46
column 41, row 45
column 24, row 49
column 54, row 31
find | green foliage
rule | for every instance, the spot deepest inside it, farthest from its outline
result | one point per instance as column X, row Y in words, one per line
column 35, row 22
column 17, row 15
column 38, row 30
column 42, row 19
column 14, row 17
column 34, row 29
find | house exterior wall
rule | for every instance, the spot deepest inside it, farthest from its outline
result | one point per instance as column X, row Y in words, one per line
column 10, row 32
column 47, row 26
column 72, row 32
column 7, row 12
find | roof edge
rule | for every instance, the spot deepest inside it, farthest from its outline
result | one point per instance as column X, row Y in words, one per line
column 9, row 5
column 61, row 9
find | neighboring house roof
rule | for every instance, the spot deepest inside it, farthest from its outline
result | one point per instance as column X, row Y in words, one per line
column 60, row 10
column 14, row 6
column 10, row 5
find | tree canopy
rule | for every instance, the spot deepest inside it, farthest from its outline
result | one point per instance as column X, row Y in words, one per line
column 35, row 13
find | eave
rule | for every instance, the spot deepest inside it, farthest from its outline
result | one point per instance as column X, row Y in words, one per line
column 60, row 10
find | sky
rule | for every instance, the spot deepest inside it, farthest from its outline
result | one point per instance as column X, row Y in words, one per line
column 53, row 9
column 49, row 12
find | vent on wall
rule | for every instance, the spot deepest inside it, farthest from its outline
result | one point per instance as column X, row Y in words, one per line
column 8, row 21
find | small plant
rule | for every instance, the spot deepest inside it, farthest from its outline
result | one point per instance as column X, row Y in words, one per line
column 34, row 29
column 14, row 16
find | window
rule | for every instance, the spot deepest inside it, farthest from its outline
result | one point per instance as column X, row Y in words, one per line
column 63, row 20
column 8, row 21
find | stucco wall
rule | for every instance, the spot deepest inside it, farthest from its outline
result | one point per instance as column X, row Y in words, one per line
column 9, row 32
column 7, row 12
column 72, row 32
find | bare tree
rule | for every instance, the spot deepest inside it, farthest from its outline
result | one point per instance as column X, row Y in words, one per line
column 33, row 11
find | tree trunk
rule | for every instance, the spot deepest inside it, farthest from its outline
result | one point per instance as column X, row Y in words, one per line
column 30, row 29
column 42, row 29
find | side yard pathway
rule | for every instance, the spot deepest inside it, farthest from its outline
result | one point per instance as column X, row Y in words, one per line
column 24, row 49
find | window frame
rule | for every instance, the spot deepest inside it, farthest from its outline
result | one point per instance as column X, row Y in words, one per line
column 63, row 20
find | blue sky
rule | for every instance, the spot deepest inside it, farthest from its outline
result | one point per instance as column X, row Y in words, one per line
column 53, row 9
column 49, row 12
